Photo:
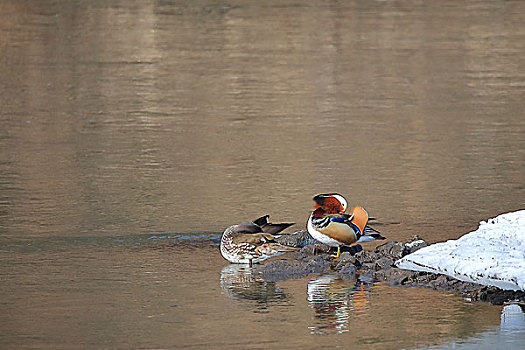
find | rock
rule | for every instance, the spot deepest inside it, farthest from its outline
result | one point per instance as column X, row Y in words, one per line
column 368, row 266
column 393, row 250
column 284, row 269
column 297, row 239
column 383, row 264
column 393, row 277
column 345, row 256
column 346, row 265
column 497, row 296
column 439, row 282
column 377, row 265
column 321, row 248
column 347, row 270
column 308, row 250
column 352, row 250
column 366, row 256
column 414, row 244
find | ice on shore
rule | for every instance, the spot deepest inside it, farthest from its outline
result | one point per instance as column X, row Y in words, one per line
column 492, row 255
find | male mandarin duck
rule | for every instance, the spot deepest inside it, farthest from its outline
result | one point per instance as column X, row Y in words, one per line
column 253, row 242
column 329, row 224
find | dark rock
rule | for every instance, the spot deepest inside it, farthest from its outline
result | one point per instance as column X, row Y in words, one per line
column 366, row 256
column 497, row 296
column 440, row 282
column 347, row 270
column 414, row 244
column 308, row 250
column 397, row 277
column 377, row 265
column 321, row 248
column 345, row 256
column 383, row 264
column 352, row 250
column 393, row 250
column 346, row 265
column 284, row 269
column 297, row 239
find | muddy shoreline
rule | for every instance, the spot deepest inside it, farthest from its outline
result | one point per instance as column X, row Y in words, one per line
column 378, row 265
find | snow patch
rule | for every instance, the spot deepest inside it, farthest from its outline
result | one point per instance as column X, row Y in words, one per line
column 493, row 255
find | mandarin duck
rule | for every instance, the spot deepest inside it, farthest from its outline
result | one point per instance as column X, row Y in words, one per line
column 330, row 225
column 253, row 242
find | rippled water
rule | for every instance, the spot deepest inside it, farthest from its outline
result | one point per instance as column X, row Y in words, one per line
column 136, row 294
column 127, row 125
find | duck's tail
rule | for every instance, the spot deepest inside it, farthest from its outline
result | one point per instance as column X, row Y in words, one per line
column 370, row 234
column 268, row 227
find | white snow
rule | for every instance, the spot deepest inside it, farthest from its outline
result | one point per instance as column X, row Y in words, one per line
column 493, row 255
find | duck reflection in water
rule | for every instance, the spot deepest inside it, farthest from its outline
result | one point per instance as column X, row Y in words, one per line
column 239, row 282
column 334, row 300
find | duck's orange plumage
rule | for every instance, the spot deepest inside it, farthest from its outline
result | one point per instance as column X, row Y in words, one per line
column 329, row 224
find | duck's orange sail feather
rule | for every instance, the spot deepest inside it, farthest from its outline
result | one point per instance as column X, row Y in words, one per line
column 360, row 218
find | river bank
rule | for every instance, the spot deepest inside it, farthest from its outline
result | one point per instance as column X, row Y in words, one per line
column 377, row 264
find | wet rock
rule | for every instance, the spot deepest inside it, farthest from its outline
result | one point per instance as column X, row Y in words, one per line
column 383, row 264
column 352, row 250
column 440, row 282
column 348, row 270
column 297, row 239
column 344, row 257
column 414, row 244
column 315, row 257
column 497, row 296
column 321, row 248
column 346, row 265
column 366, row 256
column 369, row 266
column 284, row 269
column 392, row 250
column 394, row 276
column 308, row 250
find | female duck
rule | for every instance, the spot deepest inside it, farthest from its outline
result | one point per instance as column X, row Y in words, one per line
column 253, row 242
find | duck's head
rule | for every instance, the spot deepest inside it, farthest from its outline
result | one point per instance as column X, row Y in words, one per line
column 331, row 203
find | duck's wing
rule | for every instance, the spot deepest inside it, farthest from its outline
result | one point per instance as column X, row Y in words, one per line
column 358, row 221
column 254, row 239
column 264, row 223
column 361, row 221
column 273, row 248
column 260, row 246
column 370, row 234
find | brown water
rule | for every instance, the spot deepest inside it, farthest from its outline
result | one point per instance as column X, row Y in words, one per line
column 123, row 120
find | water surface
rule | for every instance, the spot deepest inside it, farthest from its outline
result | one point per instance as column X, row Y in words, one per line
column 124, row 120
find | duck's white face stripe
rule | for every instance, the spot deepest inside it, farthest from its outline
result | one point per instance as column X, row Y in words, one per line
column 342, row 200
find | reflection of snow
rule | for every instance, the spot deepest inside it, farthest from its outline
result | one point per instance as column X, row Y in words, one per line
column 333, row 301
column 492, row 255
column 513, row 317
column 510, row 336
